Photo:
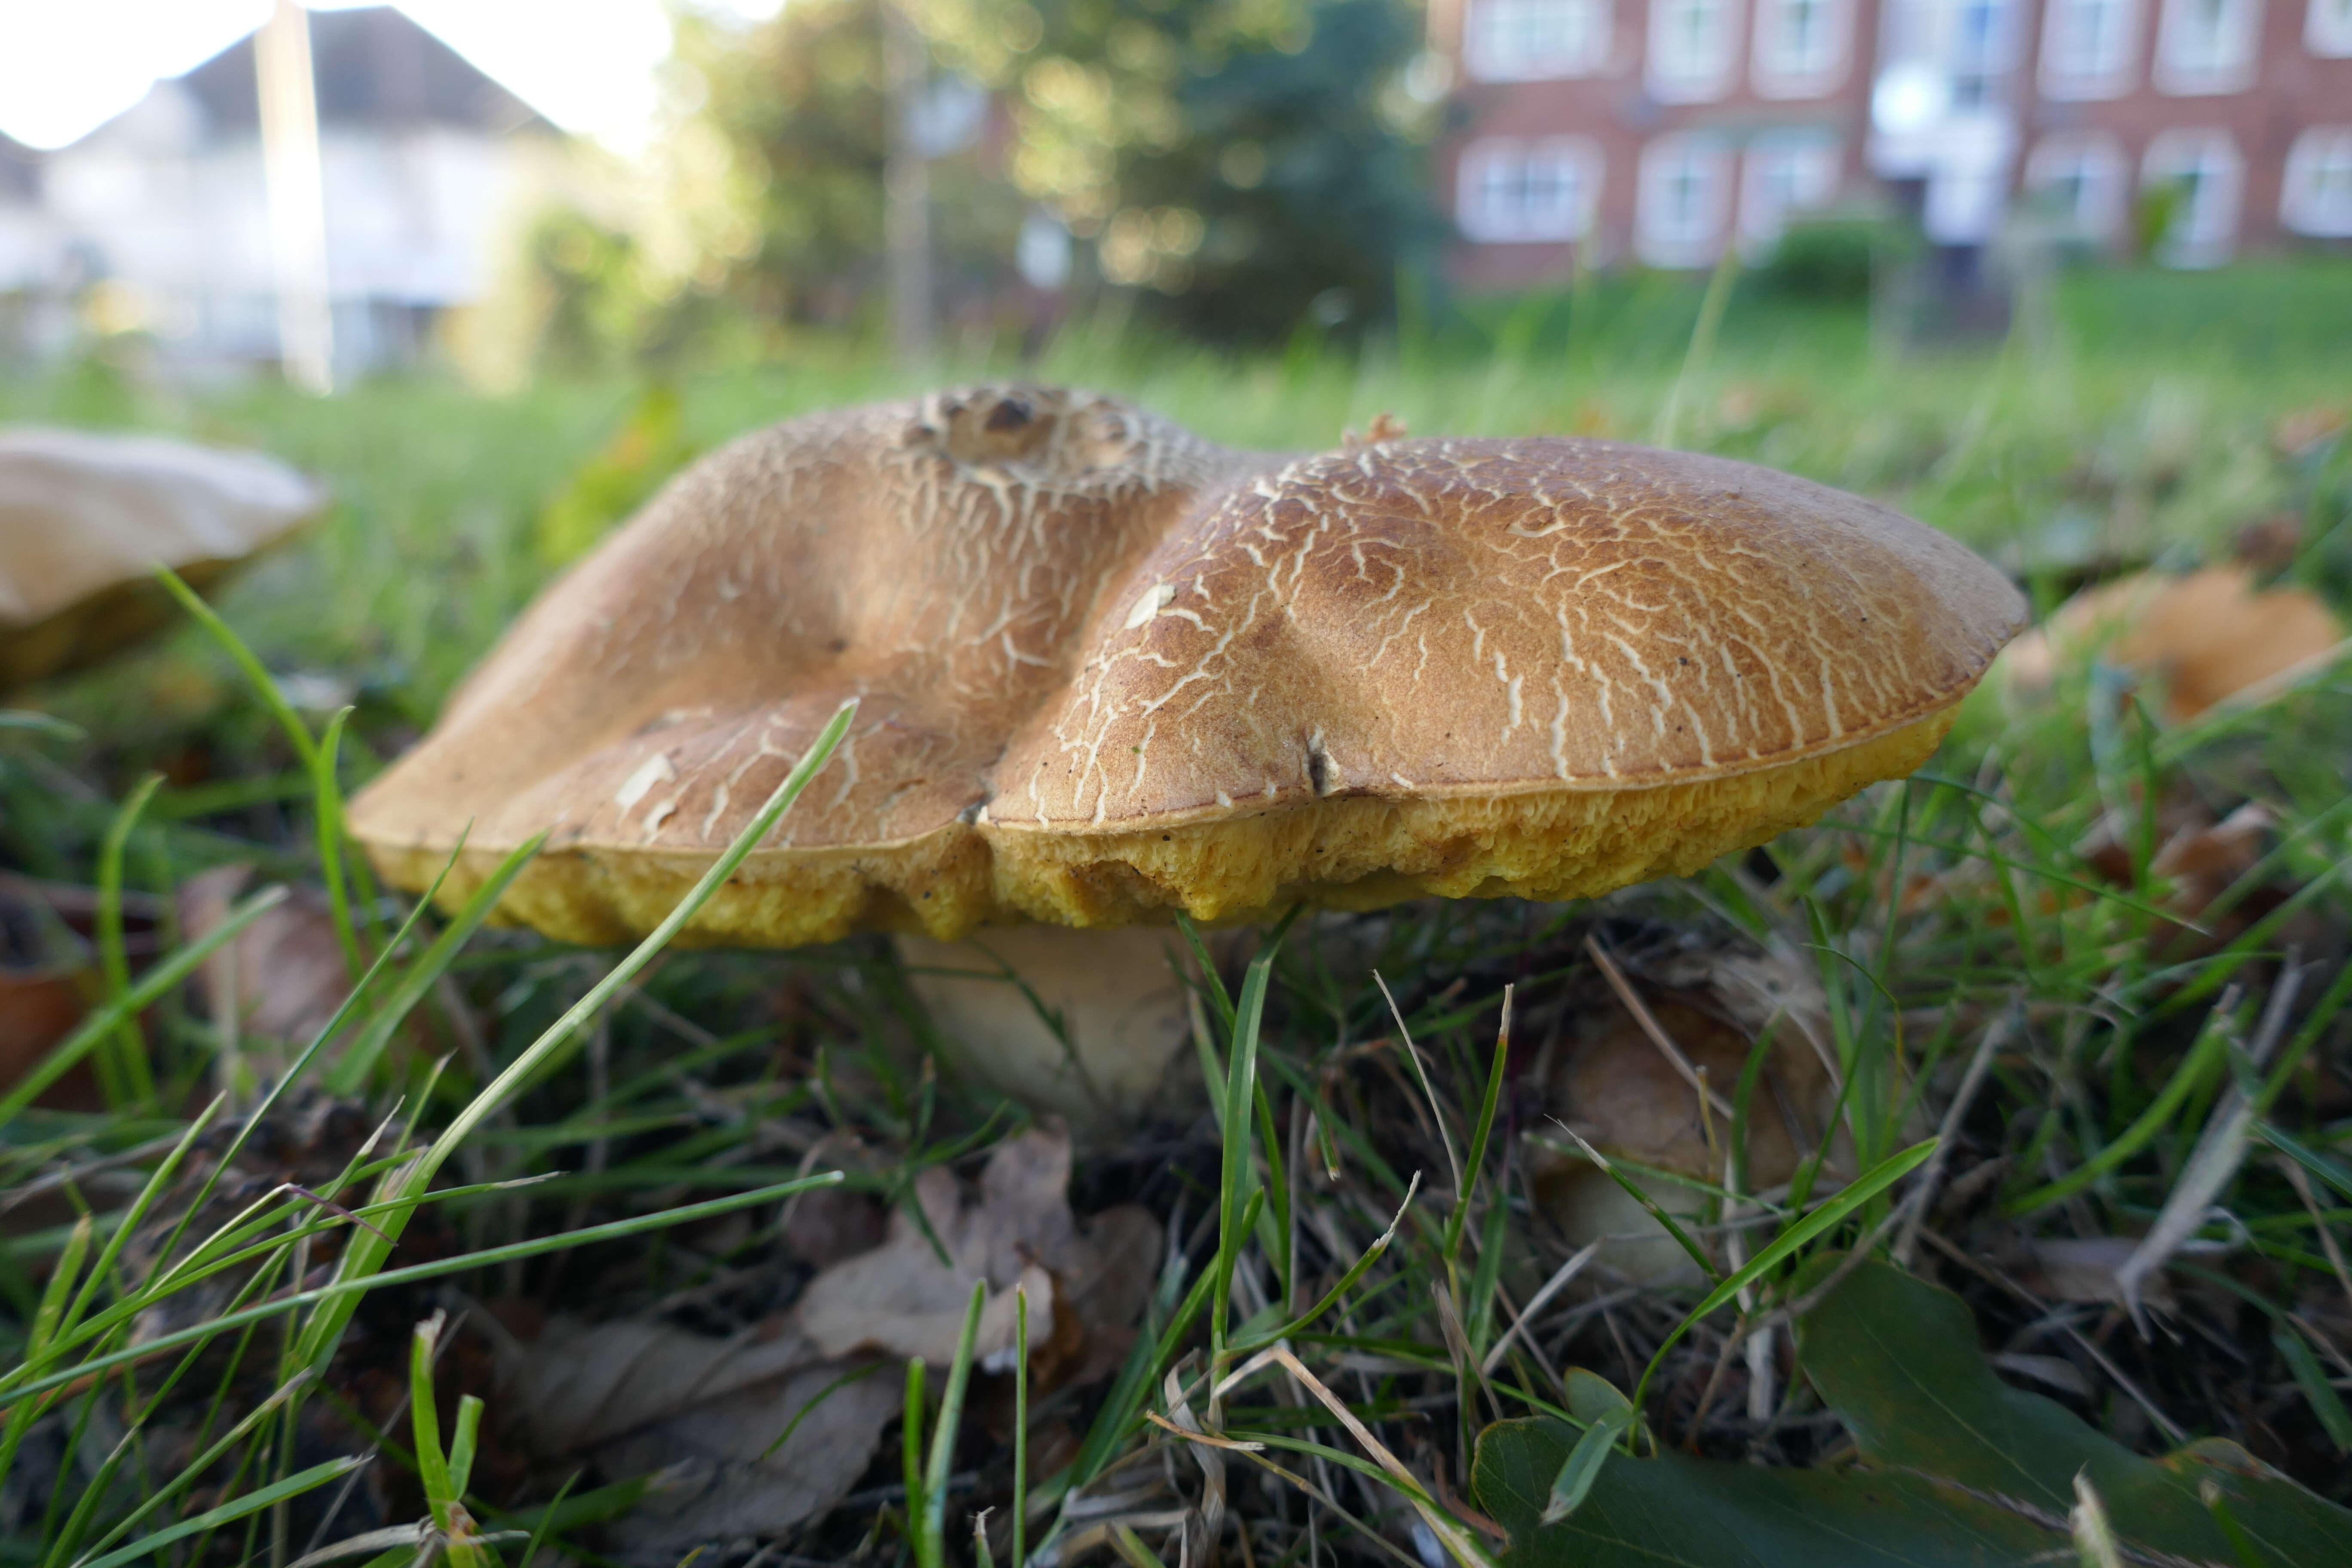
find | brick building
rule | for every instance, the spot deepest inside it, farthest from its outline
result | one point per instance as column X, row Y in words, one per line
column 1657, row 131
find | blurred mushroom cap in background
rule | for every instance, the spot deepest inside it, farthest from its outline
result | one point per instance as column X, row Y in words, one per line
column 85, row 519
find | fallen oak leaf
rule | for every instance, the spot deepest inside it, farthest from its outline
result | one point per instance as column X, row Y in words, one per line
column 2209, row 635
column 750, row 1434
column 902, row 1299
column 758, row 1432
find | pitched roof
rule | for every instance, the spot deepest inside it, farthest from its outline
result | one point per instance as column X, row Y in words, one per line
column 20, row 179
column 373, row 66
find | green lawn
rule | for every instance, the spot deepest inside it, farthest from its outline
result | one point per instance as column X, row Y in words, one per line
column 2003, row 906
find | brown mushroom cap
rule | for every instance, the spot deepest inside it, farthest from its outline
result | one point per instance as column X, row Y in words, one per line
column 1109, row 670
column 86, row 518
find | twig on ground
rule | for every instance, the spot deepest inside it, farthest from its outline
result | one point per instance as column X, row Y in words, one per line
column 2219, row 1154
column 1931, row 1176
column 1654, row 1030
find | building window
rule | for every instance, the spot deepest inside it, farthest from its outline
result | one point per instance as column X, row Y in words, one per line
column 2206, row 46
column 1683, row 197
column 2080, row 180
column 1691, row 50
column 2327, row 28
column 2088, row 47
column 2315, row 198
column 2198, row 173
column 1511, row 191
column 1786, row 172
column 1800, row 47
column 1983, row 46
column 1536, row 40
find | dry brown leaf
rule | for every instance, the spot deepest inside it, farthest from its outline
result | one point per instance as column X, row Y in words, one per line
column 1385, row 427
column 284, row 974
column 822, row 1228
column 643, row 1398
column 1615, row 1085
column 2201, row 859
column 2207, row 635
column 2300, row 430
column 902, row 1299
column 48, row 977
column 581, row 1385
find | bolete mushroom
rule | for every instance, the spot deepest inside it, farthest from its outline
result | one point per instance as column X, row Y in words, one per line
column 85, row 519
column 1111, row 671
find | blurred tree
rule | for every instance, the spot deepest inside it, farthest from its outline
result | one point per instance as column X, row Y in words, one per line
column 1255, row 163
column 585, row 276
column 599, row 302
column 1297, row 188
column 800, row 104
column 1248, row 164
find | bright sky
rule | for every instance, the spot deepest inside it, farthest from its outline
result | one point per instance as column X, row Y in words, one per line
column 69, row 66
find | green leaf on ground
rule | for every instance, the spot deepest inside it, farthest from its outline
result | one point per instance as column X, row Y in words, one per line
column 1678, row 1512
column 1897, row 1359
column 1959, row 1471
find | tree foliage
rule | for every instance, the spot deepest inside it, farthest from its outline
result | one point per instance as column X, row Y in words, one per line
column 1243, row 163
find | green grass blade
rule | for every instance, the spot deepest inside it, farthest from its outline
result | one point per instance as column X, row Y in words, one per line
column 1584, row 1463
column 126, row 1065
column 340, row 1288
column 196, row 1469
column 1791, row 1241
column 1020, row 1428
column 256, row 674
column 944, row 1437
column 2311, row 1378
column 2198, row 1067
column 327, row 811
column 910, row 1456
column 253, row 1502
column 367, row 1253
column 351, row 1069
column 2310, row 1159
column 1477, row 1157
column 1371, row 1254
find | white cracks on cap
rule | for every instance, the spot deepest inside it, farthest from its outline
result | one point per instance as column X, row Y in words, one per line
column 1153, row 600
column 654, row 770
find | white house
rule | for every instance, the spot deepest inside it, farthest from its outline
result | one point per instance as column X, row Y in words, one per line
column 159, row 217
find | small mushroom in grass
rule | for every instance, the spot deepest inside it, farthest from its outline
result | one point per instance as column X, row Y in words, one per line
column 85, row 519
column 1109, row 671
column 1648, row 1071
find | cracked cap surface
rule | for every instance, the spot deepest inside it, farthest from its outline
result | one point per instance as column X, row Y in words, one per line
column 1109, row 670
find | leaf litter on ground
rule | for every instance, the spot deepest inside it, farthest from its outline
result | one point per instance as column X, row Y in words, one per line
column 704, row 1414
column 1955, row 1469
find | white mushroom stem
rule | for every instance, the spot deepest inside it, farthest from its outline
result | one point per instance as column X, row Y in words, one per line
column 1124, row 1025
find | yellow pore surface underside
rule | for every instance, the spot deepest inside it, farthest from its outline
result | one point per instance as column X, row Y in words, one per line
column 1347, row 852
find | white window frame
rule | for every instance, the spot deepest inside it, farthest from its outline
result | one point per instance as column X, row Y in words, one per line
column 2205, row 234
column 1496, row 34
column 2070, row 75
column 2095, row 162
column 1777, row 70
column 1664, row 162
column 1978, row 66
column 1577, row 157
column 1782, row 174
column 2205, row 47
column 1674, row 74
column 2327, row 29
column 2315, row 195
